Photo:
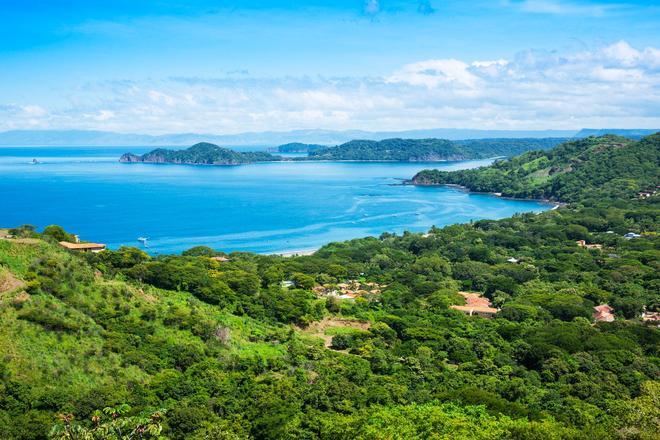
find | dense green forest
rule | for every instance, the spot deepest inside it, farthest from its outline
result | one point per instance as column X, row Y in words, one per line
column 207, row 345
column 606, row 167
column 202, row 153
column 430, row 150
column 486, row 148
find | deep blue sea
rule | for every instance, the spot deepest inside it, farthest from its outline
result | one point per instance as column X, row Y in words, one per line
column 266, row 207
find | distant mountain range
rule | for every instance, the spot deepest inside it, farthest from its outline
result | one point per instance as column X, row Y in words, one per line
column 274, row 138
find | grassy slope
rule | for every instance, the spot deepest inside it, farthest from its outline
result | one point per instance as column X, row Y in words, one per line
column 69, row 336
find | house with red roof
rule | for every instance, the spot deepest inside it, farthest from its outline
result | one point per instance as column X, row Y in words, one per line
column 603, row 313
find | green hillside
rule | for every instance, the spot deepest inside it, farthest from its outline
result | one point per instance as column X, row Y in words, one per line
column 213, row 346
column 596, row 167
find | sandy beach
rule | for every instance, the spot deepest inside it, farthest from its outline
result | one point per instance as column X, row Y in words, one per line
column 296, row 253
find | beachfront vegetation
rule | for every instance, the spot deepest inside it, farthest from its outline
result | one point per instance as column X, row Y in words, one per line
column 232, row 347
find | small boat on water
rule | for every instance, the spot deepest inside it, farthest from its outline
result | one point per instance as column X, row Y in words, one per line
column 34, row 161
column 143, row 240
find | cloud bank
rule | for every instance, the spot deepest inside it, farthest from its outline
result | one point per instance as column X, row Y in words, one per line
column 616, row 85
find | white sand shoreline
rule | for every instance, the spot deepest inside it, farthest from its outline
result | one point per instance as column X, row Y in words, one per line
column 294, row 253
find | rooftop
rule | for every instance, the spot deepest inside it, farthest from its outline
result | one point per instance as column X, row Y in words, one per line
column 474, row 299
column 603, row 313
column 81, row 246
column 475, row 303
column 476, row 309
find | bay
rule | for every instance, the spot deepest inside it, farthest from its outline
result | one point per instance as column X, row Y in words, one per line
column 264, row 207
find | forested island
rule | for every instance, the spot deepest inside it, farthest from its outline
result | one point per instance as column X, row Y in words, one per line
column 365, row 339
column 388, row 150
column 202, row 153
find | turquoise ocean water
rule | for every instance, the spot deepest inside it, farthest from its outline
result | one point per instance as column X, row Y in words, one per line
column 266, row 207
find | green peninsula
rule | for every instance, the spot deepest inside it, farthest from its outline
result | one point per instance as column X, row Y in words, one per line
column 603, row 167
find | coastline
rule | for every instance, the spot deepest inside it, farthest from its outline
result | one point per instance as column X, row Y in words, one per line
column 300, row 161
column 294, row 253
column 556, row 203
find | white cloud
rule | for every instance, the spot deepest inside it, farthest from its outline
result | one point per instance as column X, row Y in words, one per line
column 615, row 85
column 622, row 52
column 34, row 110
column 563, row 7
column 628, row 56
column 432, row 73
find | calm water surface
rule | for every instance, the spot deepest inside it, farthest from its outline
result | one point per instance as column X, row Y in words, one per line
column 268, row 207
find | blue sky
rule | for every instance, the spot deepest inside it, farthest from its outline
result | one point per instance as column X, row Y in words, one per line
column 225, row 67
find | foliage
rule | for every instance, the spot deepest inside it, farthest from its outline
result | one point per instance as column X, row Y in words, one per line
column 57, row 233
column 229, row 353
column 594, row 168
column 109, row 424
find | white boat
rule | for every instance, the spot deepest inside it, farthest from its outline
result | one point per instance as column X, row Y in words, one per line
column 143, row 239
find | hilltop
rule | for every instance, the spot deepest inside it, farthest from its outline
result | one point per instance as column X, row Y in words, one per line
column 202, row 153
column 596, row 167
